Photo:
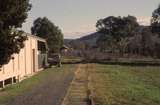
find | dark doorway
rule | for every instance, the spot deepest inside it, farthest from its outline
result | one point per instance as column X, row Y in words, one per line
column 33, row 55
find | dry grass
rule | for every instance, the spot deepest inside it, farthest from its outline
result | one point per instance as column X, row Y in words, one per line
column 77, row 94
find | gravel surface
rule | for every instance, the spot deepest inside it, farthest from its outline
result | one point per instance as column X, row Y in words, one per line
column 50, row 92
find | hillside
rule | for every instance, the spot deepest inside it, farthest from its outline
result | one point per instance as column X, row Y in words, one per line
column 88, row 39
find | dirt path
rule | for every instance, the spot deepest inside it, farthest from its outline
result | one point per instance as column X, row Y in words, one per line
column 50, row 92
column 79, row 92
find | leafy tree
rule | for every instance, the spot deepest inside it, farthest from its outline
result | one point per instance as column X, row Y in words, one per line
column 12, row 14
column 144, row 42
column 155, row 21
column 155, row 25
column 44, row 28
column 115, row 30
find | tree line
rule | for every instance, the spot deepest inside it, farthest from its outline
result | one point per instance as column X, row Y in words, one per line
column 124, row 35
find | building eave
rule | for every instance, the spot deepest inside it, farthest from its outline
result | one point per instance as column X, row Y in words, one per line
column 36, row 37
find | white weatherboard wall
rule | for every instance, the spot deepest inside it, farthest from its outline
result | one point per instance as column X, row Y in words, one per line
column 25, row 63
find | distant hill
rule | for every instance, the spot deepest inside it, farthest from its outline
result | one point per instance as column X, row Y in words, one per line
column 67, row 41
column 90, row 36
column 88, row 39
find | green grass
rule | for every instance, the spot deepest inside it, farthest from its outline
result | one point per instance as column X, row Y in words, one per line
column 125, row 85
column 26, row 85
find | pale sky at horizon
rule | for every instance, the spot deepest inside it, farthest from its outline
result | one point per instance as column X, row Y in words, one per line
column 78, row 17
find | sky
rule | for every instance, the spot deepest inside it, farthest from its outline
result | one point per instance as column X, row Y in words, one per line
column 77, row 18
